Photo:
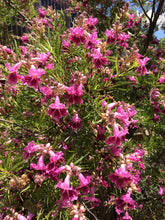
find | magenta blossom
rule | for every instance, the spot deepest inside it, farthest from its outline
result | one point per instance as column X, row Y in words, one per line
column 84, row 182
column 161, row 79
column 118, row 136
column 121, row 177
column 67, row 192
column 125, row 202
column 25, row 39
column 100, row 133
column 110, row 36
column 75, row 122
column 65, row 46
column 33, row 79
column 98, row 59
column 122, row 39
column 142, row 62
column 92, row 198
column 74, row 93
column 42, row 13
column 13, row 76
column 91, row 22
column 40, row 164
column 31, row 148
column 57, row 110
column 92, row 41
column 77, row 36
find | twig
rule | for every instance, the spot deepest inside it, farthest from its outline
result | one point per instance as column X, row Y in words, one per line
column 90, row 211
column 144, row 11
column 153, row 9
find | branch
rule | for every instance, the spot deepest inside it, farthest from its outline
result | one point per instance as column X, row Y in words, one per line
column 144, row 11
column 153, row 9
column 90, row 211
column 153, row 25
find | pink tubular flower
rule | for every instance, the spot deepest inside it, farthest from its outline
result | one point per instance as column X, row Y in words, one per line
column 42, row 13
column 92, row 198
column 24, row 39
column 30, row 149
column 13, row 76
column 122, row 39
column 161, row 79
column 132, row 79
column 125, row 202
column 92, row 41
column 77, row 36
column 40, row 164
column 33, row 79
column 100, row 133
column 75, row 122
column 21, row 217
column 54, row 157
column 57, row 110
column 162, row 193
column 142, row 69
column 99, row 60
column 91, row 22
column 65, row 46
column 121, row 177
column 67, row 192
column 74, row 93
column 110, row 36
column 118, row 136
column 131, row 22
column 83, row 184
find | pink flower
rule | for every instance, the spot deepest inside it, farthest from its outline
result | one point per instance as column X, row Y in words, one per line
column 125, row 202
column 110, row 36
column 83, row 183
column 40, row 164
column 77, row 36
column 116, row 151
column 21, row 217
column 91, row 22
column 65, row 46
column 99, row 60
column 142, row 69
column 161, row 79
column 75, row 122
column 67, row 192
column 92, row 41
column 100, row 133
column 93, row 199
column 33, row 79
column 30, row 149
column 57, row 110
column 118, row 136
column 132, row 79
column 122, row 39
column 54, row 157
column 25, row 39
column 42, row 58
column 121, row 177
column 30, row 216
column 13, row 76
column 131, row 22
column 42, row 13
column 7, row 50
column 74, row 93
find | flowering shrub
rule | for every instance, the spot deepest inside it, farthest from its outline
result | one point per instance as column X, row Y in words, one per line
column 76, row 112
